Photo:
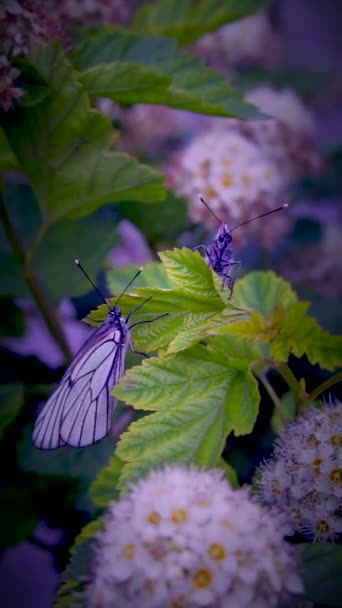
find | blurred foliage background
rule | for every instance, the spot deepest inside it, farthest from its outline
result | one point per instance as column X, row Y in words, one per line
column 114, row 116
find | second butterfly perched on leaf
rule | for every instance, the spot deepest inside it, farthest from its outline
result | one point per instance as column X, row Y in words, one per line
column 79, row 412
column 219, row 253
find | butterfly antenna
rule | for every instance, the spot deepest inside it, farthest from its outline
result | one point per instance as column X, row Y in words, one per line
column 77, row 262
column 129, row 284
column 259, row 216
column 211, row 211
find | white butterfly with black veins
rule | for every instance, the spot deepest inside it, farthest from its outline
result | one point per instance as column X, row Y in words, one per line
column 79, row 412
column 219, row 253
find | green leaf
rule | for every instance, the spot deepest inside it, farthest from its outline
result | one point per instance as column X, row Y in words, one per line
column 153, row 275
column 199, row 396
column 105, row 487
column 31, row 81
column 323, row 573
column 87, row 533
column 229, row 472
column 162, row 228
column 300, row 334
column 23, row 502
column 69, row 595
column 64, row 147
column 8, row 161
column 188, row 20
column 288, row 412
column 261, row 291
column 81, row 465
column 194, row 307
column 53, row 262
column 108, row 53
column 11, row 402
column 281, row 322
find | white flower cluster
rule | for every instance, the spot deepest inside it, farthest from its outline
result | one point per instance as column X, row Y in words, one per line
column 183, row 538
column 289, row 136
column 9, row 92
column 251, row 40
column 25, row 24
column 304, row 477
column 236, row 179
column 94, row 12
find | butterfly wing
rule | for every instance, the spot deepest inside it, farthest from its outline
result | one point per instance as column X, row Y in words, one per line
column 79, row 412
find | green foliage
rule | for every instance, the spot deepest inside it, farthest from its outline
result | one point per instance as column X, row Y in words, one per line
column 130, row 68
column 64, row 148
column 154, row 275
column 8, row 161
column 53, row 261
column 79, row 465
column 34, row 85
column 162, row 228
column 12, row 323
column 188, row 20
column 193, row 305
column 11, row 402
column 229, row 472
column 323, row 573
column 288, row 412
column 194, row 395
column 104, row 489
column 280, row 321
column 201, row 387
column 300, row 334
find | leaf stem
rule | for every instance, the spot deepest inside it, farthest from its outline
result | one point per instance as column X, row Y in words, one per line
column 323, row 387
column 32, row 251
column 33, row 283
column 273, row 395
column 299, row 394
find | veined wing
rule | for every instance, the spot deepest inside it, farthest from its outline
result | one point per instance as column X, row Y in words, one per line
column 79, row 412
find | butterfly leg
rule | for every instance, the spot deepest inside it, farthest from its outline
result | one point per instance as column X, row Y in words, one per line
column 198, row 247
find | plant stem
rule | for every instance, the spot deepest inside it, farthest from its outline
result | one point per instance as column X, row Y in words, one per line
column 273, row 395
column 324, row 386
column 291, row 380
column 37, row 290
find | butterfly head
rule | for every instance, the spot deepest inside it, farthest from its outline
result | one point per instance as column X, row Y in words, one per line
column 223, row 236
column 114, row 317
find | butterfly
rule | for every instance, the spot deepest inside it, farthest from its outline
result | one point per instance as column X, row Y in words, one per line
column 79, row 412
column 219, row 253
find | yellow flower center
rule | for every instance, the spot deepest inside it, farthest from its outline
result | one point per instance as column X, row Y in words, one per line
column 226, row 181
column 179, row 516
column 311, row 441
column 153, row 518
column 246, row 179
column 335, row 476
column 128, row 551
column 275, row 486
column 209, row 192
column 336, row 440
column 216, row 551
column 316, row 465
column 202, row 579
column 322, row 528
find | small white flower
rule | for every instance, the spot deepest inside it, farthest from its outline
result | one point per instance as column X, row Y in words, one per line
column 234, row 550
column 304, row 477
column 236, row 178
column 249, row 40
